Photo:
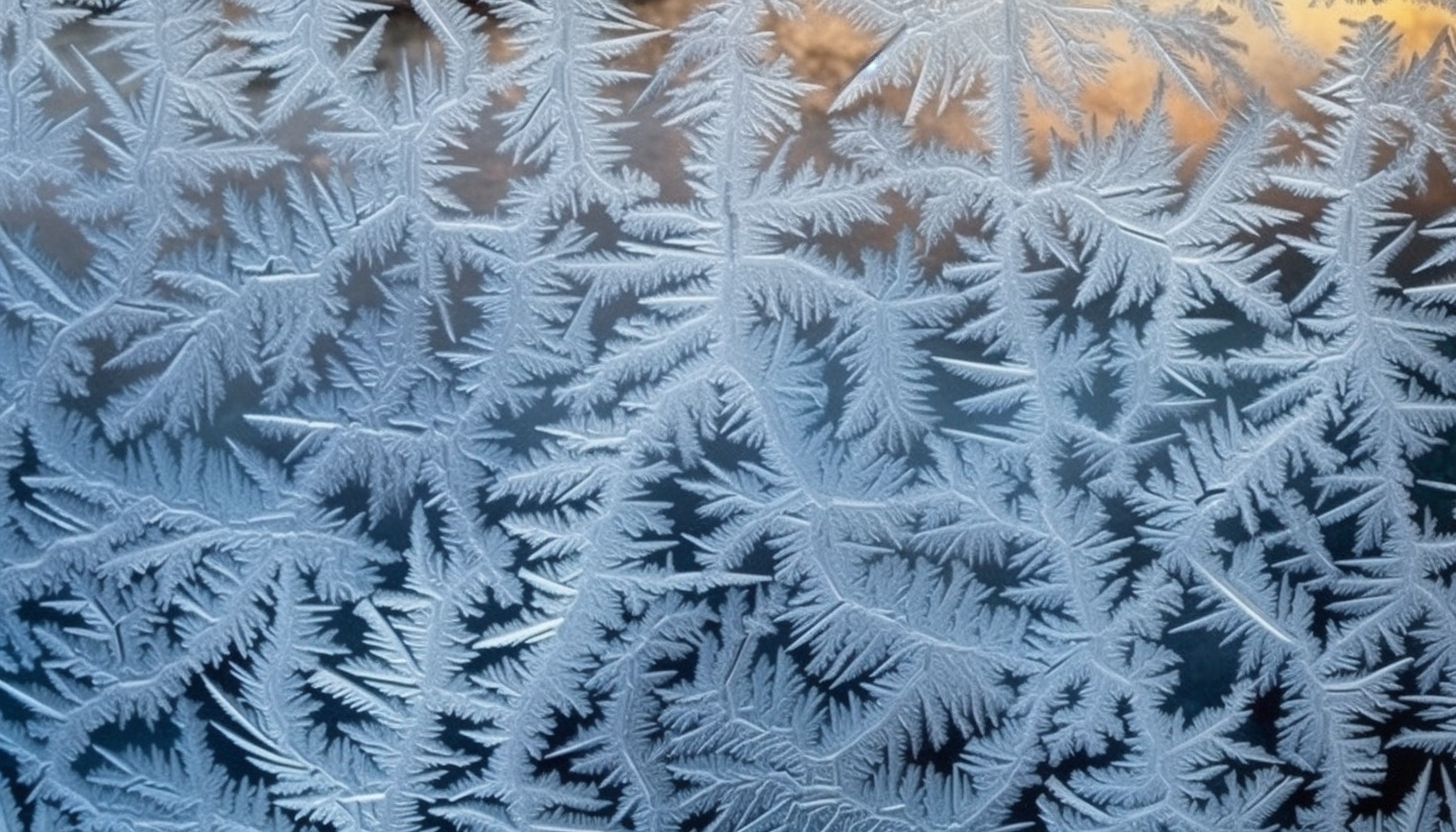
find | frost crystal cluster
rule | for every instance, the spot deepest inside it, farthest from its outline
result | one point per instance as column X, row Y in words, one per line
column 569, row 415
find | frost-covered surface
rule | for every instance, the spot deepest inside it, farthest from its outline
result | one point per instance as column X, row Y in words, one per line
column 551, row 424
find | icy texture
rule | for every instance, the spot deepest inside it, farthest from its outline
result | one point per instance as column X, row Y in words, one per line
column 518, row 416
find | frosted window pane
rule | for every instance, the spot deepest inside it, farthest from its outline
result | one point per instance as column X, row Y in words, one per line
column 742, row 415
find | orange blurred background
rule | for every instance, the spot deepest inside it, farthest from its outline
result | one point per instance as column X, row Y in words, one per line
column 828, row 50
column 1281, row 64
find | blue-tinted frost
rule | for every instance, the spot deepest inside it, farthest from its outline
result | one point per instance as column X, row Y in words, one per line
column 518, row 416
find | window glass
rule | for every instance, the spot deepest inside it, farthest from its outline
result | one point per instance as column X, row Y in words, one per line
column 889, row 415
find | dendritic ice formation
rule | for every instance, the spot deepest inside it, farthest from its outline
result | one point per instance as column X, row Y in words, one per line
column 540, row 415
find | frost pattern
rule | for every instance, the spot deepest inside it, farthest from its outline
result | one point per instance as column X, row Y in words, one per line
column 542, row 415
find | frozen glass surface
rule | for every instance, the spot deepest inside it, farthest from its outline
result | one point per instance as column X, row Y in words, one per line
column 842, row 416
